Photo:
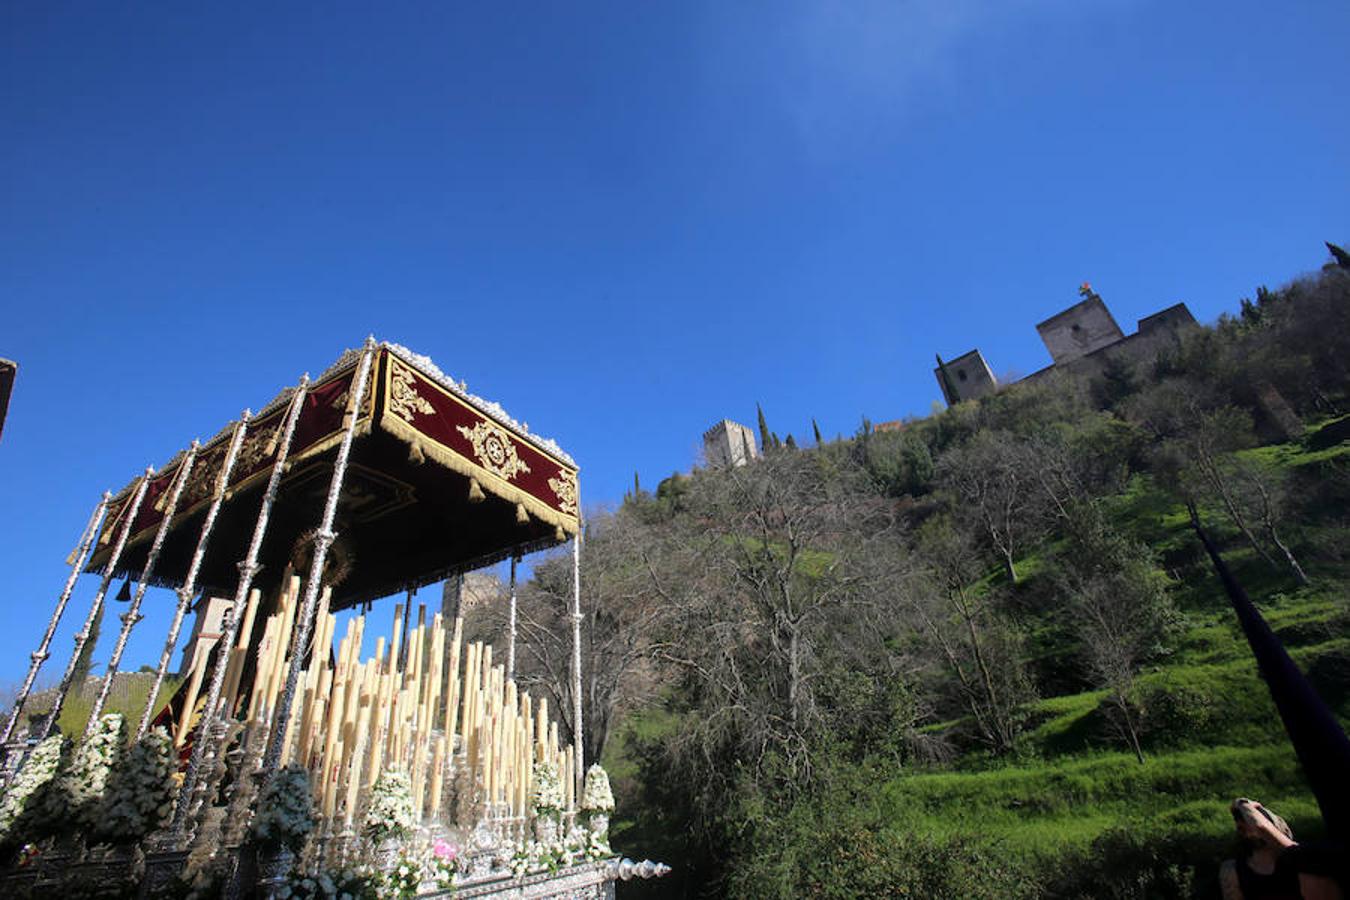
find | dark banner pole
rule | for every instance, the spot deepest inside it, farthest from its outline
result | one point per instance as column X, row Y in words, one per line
column 1318, row 739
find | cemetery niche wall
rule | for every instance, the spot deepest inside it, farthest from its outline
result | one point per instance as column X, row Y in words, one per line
column 291, row 758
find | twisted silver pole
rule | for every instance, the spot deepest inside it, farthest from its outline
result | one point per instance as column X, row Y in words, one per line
column 248, row 568
column 133, row 613
column 323, row 539
column 577, row 745
column 189, row 586
column 130, row 511
column 41, row 653
column 511, row 633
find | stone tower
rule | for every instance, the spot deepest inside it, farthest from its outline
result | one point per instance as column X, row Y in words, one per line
column 968, row 377
column 729, row 443
column 1085, row 327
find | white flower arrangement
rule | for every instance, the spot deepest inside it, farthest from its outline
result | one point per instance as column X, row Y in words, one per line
column 546, row 856
column 547, row 794
column 401, row 881
column 596, row 795
column 391, row 813
column 595, row 846
column 285, row 812
column 140, row 791
column 77, row 801
column 37, row 773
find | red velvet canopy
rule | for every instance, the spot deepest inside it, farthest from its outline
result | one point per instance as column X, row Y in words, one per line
column 439, row 481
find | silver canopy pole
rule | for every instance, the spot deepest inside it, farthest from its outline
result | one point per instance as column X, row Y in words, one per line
column 130, row 511
column 248, row 568
column 189, row 586
column 323, row 539
column 132, row 615
column 41, row 653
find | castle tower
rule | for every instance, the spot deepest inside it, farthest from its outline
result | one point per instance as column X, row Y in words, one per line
column 1079, row 330
column 729, row 443
column 968, row 377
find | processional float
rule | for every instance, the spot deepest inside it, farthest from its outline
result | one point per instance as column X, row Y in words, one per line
column 379, row 477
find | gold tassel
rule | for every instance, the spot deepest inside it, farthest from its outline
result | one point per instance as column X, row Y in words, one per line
column 476, row 494
column 415, row 455
column 558, row 534
column 104, row 538
column 270, row 450
column 161, row 501
column 70, row 560
column 521, row 515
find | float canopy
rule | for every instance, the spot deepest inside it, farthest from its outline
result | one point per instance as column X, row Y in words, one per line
column 439, row 482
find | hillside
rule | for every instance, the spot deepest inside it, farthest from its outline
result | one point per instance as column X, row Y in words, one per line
column 983, row 655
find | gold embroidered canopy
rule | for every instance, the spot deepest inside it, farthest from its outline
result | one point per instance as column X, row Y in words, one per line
column 439, row 481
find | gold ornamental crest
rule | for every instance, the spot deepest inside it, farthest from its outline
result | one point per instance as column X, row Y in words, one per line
column 565, row 488
column 494, row 448
column 404, row 400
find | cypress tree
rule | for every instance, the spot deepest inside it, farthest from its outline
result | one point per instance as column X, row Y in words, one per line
column 763, row 429
column 945, row 381
column 637, row 485
column 791, row 443
column 1342, row 258
column 86, row 661
column 816, row 430
column 776, row 442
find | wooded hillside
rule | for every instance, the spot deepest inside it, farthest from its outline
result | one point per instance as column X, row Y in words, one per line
column 982, row 655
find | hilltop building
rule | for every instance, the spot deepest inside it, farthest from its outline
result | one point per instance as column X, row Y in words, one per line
column 729, row 443
column 1082, row 338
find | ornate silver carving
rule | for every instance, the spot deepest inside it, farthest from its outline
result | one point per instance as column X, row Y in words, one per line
column 132, row 615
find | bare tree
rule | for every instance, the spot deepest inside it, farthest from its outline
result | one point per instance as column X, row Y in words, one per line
column 993, row 487
column 621, row 616
column 1117, row 602
column 979, row 649
column 779, row 567
column 1193, row 436
column 1265, row 492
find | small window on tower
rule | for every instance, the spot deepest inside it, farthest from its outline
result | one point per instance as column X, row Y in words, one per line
column 961, row 374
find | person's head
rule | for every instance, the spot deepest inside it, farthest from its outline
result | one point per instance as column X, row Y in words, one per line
column 1254, row 822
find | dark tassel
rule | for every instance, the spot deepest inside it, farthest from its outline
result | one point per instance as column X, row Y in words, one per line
column 415, row 455
column 124, row 595
column 476, row 494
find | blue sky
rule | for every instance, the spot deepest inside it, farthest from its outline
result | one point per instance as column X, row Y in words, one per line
column 623, row 221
